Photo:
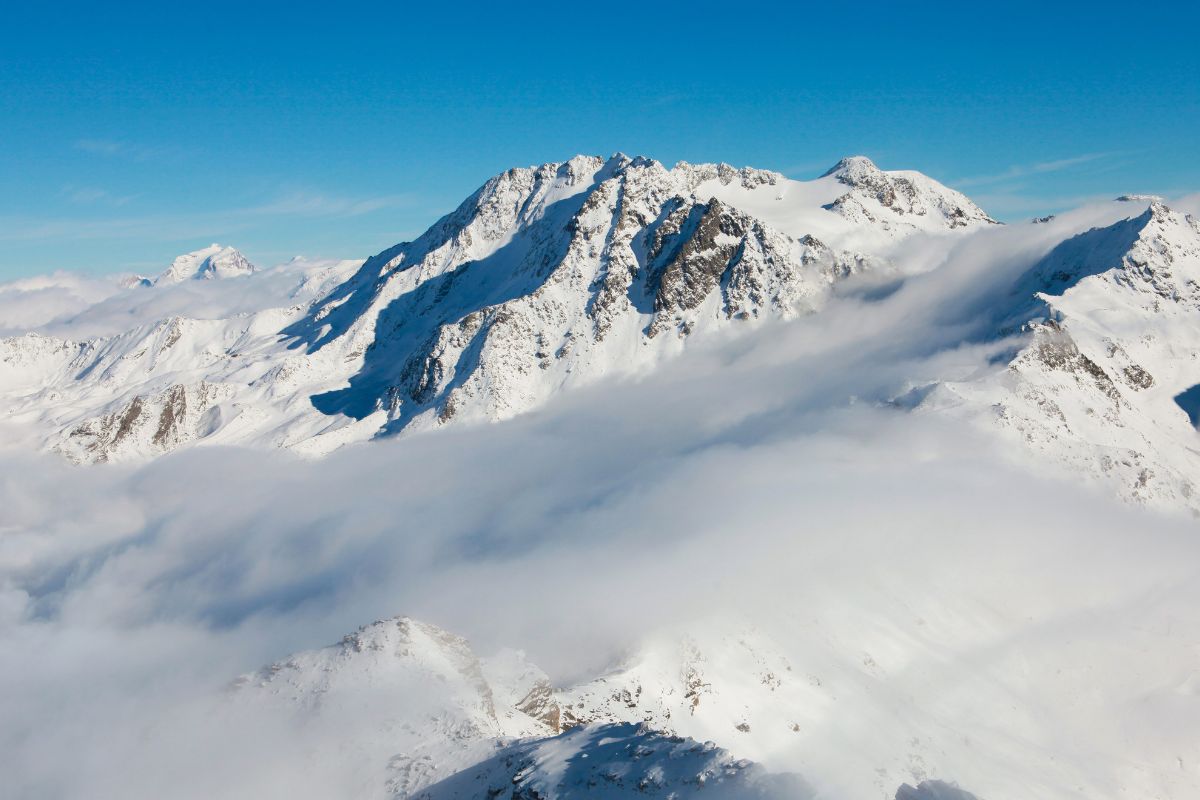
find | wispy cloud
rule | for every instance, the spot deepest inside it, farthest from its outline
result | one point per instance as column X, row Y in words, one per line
column 104, row 147
column 160, row 226
column 316, row 204
column 94, row 195
column 1189, row 203
column 114, row 148
column 1009, row 205
column 1026, row 170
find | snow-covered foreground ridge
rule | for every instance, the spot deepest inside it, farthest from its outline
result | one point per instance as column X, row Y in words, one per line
column 735, row 708
column 423, row 717
column 572, row 273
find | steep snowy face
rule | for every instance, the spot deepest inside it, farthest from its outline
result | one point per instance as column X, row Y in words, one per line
column 208, row 263
column 1112, row 317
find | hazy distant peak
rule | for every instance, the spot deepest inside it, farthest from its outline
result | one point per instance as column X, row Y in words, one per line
column 207, row 263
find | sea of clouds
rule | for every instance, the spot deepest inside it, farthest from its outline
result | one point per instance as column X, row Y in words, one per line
column 754, row 476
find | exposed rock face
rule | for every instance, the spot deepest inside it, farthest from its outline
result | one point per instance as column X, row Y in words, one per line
column 166, row 420
column 542, row 705
column 521, row 685
column 1053, row 349
column 708, row 249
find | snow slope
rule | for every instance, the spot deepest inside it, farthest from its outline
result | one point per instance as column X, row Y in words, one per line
column 1111, row 342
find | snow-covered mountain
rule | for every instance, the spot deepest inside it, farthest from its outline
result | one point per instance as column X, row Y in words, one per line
column 424, row 717
column 573, row 273
column 903, row 704
column 1110, row 350
column 420, row 715
column 544, row 278
column 209, row 263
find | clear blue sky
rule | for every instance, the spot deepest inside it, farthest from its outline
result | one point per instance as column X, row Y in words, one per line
column 129, row 135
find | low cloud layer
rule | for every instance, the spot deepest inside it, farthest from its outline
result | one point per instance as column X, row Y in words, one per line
column 74, row 306
column 572, row 535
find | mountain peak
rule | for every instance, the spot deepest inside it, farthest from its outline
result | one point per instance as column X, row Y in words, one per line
column 207, row 263
column 901, row 193
column 852, row 169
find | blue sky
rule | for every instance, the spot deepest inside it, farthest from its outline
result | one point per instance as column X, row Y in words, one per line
column 129, row 135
